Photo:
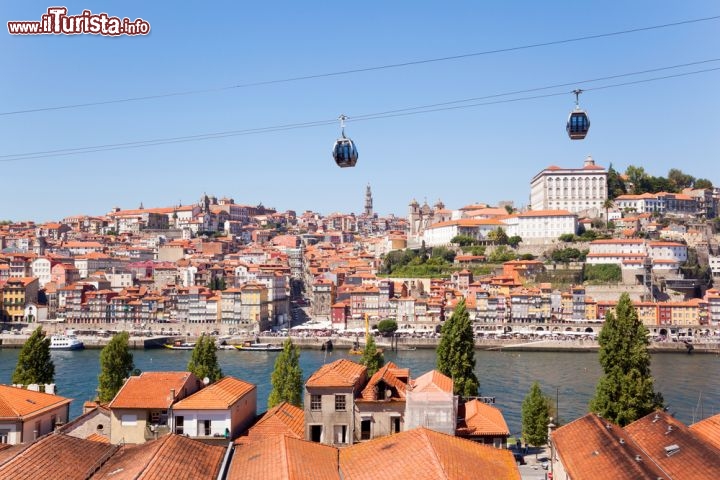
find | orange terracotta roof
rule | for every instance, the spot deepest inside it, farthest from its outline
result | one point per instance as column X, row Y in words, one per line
column 423, row 454
column 172, row 456
column 591, row 447
column 282, row 419
column 220, row 395
column 283, row 457
column 17, row 403
column 483, row 419
column 340, row 373
column 57, row 456
column 387, row 375
column 96, row 437
column 708, row 429
column 695, row 459
column 151, row 390
column 432, row 381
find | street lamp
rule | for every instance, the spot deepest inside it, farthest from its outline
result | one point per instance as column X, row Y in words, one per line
column 551, row 426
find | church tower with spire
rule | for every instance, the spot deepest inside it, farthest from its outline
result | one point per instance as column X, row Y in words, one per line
column 368, row 202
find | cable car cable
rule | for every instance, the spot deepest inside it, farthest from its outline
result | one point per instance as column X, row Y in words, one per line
column 270, row 129
column 363, row 69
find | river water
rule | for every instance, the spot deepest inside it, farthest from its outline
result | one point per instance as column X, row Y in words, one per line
column 689, row 383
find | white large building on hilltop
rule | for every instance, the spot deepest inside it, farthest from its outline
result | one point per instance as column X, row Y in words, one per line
column 578, row 190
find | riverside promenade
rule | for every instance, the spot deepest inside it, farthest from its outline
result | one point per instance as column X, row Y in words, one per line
column 316, row 340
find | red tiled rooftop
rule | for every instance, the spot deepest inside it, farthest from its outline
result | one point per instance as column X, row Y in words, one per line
column 19, row 402
column 220, row 395
column 483, row 419
column 282, row 419
column 708, row 429
column 340, row 373
column 57, row 456
column 283, row 457
column 432, row 381
column 591, row 448
column 151, row 390
column 423, row 454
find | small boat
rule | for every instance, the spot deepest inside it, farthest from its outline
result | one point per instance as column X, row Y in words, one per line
column 259, row 347
column 180, row 345
column 66, row 341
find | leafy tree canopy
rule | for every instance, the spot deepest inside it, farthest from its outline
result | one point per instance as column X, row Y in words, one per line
column 456, row 352
column 203, row 362
column 116, row 364
column 34, row 363
column 286, row 378
column 535, row 416
column 372, row 358
column 625, row 391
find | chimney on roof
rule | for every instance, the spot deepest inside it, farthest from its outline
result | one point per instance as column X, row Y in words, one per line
column 589, row 162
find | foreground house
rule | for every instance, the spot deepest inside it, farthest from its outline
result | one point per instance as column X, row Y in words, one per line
column 483, row 423
column 224, row 408
column 26, row 415
column 283, row 419
column 329, row 402
column 420, row 454
column 140, row 410
column 655, row 446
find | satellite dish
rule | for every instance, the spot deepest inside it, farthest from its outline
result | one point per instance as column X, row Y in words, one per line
column 206, row 381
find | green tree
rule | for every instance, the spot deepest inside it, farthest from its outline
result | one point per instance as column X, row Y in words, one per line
column 679, row 180
column 34, row 363
column 501, row 254
column 615, row 183
column 116, row 364
column 625, row 391
column 463, row 240
column 286, row 378
column 203, row 362
column 498, row 236
column 607, row 205
column 389, row 325
column 703, row 183
column 372, row 358
column 444, row 254
column 535, row 416
column 456, row 352
column 514, row 241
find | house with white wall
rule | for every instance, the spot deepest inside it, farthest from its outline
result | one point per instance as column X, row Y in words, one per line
column 226, row 406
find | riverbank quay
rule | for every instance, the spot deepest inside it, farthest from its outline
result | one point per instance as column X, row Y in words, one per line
column 317, row 342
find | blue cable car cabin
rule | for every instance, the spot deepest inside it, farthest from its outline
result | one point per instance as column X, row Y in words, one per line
column 345, row 153
column 578, row 125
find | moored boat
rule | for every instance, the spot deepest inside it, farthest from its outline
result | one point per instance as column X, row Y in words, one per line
column 260, row 347
column 180, row 345
column 66, row 341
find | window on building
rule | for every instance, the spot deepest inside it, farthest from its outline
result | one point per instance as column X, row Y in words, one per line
column 180, row 425
column 4, row 434
column 316, row 433
column 128, row 420
column 395, row 425
column 340, row 434
column 339, row 403
column 315, row 403
column 365, row 429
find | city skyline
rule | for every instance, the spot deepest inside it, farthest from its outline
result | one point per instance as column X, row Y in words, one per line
column 485, row 154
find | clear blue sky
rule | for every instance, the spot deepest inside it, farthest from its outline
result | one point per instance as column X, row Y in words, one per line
column 483, row 154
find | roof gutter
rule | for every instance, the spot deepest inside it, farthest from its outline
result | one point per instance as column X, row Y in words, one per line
column 225, row 465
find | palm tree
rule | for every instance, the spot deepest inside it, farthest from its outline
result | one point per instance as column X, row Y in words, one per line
column 607, row 205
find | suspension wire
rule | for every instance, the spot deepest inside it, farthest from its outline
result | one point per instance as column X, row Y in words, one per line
column 293, row 126
column 362, row 69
